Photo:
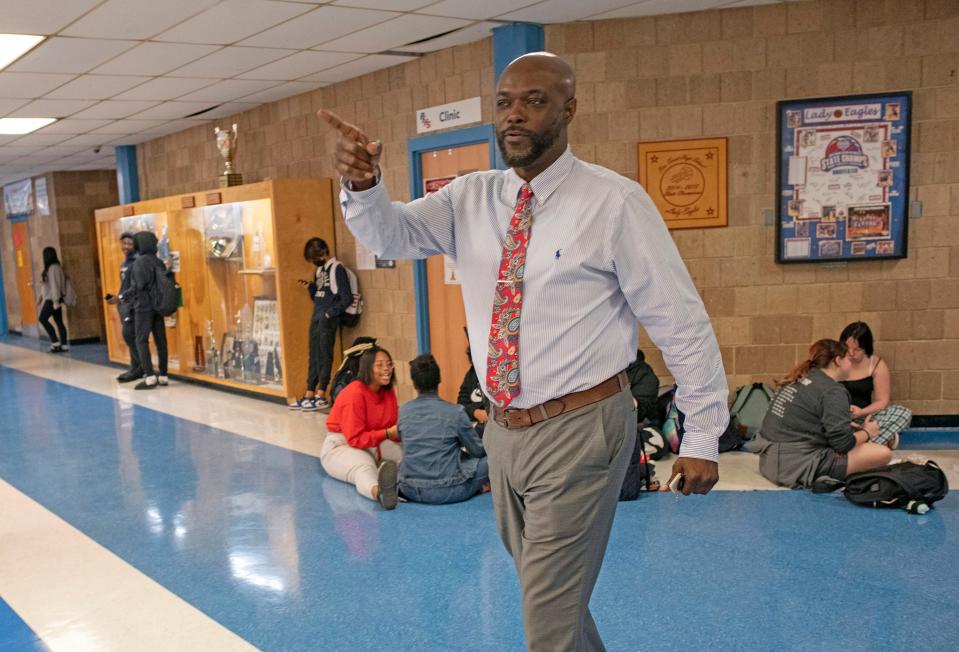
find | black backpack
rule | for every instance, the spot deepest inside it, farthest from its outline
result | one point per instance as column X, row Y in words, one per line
column 898, row 485
column 166, row 293
column 350, row 366
column 639, row 473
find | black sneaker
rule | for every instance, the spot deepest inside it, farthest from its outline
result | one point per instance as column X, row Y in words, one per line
column 825, row 484
column 386, row 478
column 129, row 376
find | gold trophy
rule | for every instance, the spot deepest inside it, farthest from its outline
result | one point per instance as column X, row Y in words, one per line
column 226, row 145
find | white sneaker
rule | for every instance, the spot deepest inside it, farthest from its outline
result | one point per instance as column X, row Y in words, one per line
column 163, row 380
column 65, row 347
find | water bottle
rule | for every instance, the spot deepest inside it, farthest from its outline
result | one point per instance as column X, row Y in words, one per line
column 917, row 507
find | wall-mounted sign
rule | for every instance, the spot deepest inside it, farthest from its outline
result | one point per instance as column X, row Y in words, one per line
column 686, row 179
column 444, row 116
column 18, row 198
column 43, row 200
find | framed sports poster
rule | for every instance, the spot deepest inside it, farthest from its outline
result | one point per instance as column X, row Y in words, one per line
column 843, row 178
column 686, row 179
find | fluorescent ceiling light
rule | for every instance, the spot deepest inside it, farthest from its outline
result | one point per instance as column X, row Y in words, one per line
column 23, row 125
column 13, row 46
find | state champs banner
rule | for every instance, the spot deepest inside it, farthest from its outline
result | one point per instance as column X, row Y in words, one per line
column 843, row 178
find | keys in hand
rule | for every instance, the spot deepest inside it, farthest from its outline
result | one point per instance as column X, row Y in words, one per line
column 356, row 157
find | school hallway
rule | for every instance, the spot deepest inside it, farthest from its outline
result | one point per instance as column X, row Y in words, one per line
column 186, row 518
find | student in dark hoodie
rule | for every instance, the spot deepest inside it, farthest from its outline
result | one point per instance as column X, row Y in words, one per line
column 331, row 295
column 124, row 302
column 146, row 319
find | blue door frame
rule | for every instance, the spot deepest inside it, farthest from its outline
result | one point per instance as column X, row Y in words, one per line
column 415, row 147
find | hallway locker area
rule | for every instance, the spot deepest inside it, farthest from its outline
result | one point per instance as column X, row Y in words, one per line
column 190, row 519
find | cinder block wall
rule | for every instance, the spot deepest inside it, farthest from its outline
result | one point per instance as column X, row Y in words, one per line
column 716, row 73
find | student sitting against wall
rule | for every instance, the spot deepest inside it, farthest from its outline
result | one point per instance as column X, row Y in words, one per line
column 807, row 438
column 434, row 469
column 361, row 446
column 868, row 386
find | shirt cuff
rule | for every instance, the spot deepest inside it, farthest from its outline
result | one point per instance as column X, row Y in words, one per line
column 700, row 445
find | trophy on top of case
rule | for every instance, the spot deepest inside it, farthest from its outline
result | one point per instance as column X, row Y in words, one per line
column 226, row 145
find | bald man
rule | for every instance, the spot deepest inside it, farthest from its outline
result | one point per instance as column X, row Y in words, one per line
column 558, row 259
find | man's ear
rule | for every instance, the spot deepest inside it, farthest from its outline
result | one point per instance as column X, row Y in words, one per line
column 569, row 110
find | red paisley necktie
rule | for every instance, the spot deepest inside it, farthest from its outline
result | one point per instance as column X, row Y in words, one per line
column 502, row 364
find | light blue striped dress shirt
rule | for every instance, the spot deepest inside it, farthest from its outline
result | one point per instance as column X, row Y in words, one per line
column 599, row 258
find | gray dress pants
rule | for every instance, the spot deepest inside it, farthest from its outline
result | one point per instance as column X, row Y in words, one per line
column 555, row 487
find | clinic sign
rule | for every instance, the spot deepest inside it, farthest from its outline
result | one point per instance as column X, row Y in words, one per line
column 444, row 116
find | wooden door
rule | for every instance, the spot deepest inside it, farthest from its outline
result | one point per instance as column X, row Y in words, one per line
column 448, row 340
column 25, row 290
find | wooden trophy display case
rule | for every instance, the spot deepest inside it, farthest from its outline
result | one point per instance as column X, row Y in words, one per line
column 237, row 254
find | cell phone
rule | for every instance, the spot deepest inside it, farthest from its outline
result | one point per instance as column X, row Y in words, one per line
column 108, row 296
column 676, row 484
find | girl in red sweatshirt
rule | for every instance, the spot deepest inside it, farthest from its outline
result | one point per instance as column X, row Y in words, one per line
column 361, row 446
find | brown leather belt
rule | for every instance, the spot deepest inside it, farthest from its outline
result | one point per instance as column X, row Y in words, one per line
column 514, row 418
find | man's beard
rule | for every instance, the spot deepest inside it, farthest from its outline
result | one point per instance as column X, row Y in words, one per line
column 538, row 143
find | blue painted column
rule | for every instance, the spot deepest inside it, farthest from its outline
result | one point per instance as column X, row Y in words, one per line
column 128, row 181
column 514, row 40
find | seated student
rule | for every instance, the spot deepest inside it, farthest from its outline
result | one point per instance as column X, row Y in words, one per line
column 434, row 470
column 807, row 438
column 868, row 386
column 472, row 399
column 361, row 445
column 644, row 386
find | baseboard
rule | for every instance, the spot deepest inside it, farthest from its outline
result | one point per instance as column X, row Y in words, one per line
column 85, row 340
column 935, row 421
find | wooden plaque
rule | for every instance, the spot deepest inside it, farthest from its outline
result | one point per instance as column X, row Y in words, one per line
column 213, row 198
column 187, row 201
column 686, row 179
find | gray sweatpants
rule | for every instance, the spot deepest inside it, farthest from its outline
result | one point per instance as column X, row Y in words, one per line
column 555, row 487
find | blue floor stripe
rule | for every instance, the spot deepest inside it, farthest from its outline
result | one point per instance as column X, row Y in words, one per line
column 16, row 635
column 261, row 540
column 929, row 439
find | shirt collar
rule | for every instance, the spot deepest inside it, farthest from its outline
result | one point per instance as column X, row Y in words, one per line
column 543, row 184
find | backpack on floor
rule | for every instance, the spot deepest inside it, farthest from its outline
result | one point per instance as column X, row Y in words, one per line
column 749, row 408
column 734, row 438
column 166, row 293
column 351, row 317
column 350, row 366
column 654, row 442
column 672, row 429
column 639, row 473
column 897, row 485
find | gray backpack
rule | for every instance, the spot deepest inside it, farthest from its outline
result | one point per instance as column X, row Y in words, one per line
column 749, row 408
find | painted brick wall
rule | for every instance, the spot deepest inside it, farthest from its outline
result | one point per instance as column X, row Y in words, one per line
column 716, row 73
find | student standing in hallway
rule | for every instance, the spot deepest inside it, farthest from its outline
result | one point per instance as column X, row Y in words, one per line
column 146, row 319
column 124, row 306
column 562, row 420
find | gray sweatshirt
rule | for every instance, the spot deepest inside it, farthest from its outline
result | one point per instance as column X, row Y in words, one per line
column 806, row 420
column 55, row 285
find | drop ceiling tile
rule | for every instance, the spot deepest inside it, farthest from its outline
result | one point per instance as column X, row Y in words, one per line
column 393, row 34
column 124, row 127
column 40, row 140
column 172, row 110
column 656, row 8
column 563, row 11
column 474, row 9
column 318, row 26
column 66, row 150
column 230, row 62
column 165, row 88
column 469, row 34
column 359, row 67
column 299, row 65
column 229, row 109
column 95, row 87
column 42, row 16
column 8, row 106
column 87, row 140
column 72, row 126
column 393, row 5
column 155, row 58
column 50, row 108
column 30, row 85
column 282, row 91
column 134, row 19
column 115, row 109
column 60, row 54
column 233, row 20
column 227, row 90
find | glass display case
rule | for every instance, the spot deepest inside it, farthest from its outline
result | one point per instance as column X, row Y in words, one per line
column 237, row 254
